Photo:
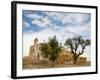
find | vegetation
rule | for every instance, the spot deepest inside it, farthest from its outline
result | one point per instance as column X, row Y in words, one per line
column 75, row 44
column 45, row 50
column 55, row 49
column 51, row 49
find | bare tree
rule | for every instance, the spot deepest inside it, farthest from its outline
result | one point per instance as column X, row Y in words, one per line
column 74, row 44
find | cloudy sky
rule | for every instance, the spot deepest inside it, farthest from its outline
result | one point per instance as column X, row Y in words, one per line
column 42, row 25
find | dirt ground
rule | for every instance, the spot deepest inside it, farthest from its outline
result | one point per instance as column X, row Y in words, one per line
column 41, row 66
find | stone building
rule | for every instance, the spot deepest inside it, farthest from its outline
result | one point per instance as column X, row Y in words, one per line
column 33, row 52
column 65, row 57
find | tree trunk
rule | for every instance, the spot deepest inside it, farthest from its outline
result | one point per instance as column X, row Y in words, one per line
column 75, row 58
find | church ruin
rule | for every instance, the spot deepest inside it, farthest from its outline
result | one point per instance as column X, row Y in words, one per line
column 65, row 57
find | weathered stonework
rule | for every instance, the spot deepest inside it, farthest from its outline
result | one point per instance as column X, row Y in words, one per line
column 65, row 57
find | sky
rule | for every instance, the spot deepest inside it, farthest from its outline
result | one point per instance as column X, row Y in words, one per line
column 45, row 24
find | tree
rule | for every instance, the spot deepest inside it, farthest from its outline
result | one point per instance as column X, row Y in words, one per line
column 55, row 49
column 74, row 44
column 51, row 49
column 45, row 50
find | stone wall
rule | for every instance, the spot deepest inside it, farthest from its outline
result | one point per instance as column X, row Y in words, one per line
column 27, row 61
column 81, row 60
column 64, row 57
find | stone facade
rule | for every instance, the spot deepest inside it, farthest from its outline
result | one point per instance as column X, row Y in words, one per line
column 81, row 60
column 64, row 57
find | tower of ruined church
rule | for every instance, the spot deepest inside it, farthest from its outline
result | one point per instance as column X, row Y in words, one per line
column 33, row 50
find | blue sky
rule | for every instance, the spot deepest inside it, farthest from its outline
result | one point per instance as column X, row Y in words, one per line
column 74, row 23
column 42, row 25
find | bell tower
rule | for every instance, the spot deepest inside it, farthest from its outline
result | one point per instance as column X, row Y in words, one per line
column 35, row 41
column 35, row 48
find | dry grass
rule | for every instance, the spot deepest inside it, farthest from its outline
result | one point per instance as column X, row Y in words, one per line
column 49, row 65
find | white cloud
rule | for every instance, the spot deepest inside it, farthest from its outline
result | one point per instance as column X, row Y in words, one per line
column 41, row 22
column 33, row 16
column 75, row 18
column 79, row 29
column 65, row 18
column 58, row 16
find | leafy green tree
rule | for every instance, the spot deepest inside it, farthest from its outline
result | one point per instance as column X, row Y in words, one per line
column 45, row 50
column 55, row 49
column 74, row 44
column 51, row 49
